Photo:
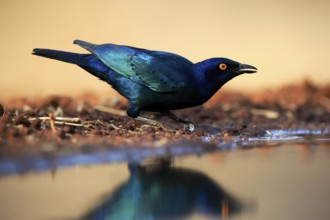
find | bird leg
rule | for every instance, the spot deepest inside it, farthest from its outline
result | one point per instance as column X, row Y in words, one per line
column 188, row 125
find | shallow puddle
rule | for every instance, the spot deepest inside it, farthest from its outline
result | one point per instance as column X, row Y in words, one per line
column 284, row 175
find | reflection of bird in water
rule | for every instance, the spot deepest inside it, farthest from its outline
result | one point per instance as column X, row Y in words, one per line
column 167, row 193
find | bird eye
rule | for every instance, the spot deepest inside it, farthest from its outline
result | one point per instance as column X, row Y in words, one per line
column 222, row 66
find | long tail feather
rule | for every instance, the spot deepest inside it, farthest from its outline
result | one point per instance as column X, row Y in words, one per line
column 86, row 61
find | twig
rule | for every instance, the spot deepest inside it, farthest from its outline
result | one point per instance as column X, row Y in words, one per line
column 264, row 112
column 51, row 122
column 68, row 119
column 155, row 123
column 110, row 110
column 67, row 123
column 114, row 126
column 59, row 121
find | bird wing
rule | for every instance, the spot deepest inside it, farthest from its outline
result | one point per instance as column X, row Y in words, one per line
column 160, row 71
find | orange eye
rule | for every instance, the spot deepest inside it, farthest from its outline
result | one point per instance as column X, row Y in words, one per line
column 222, row 66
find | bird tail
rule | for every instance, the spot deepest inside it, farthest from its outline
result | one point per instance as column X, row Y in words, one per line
column 68, row 57
column 88, row 62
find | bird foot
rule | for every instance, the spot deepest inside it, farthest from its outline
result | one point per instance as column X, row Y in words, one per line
column 156, row 123
column 188, row 125
column 166, row 128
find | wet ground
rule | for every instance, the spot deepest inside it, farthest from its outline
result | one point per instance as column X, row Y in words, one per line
column 251, row 156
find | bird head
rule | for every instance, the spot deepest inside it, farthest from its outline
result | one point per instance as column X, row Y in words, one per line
column 218, row 71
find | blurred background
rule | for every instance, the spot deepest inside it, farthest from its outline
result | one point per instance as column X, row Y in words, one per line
column 288, row 41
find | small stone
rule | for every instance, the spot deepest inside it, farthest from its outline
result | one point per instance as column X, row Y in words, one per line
column 189, row 127
column 22, row 120
column 2, row 110
column 179, row 132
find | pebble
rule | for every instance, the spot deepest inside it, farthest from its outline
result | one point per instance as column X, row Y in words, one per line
column 2, row 110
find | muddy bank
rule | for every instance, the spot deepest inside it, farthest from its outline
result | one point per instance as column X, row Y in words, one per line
column 28, row 125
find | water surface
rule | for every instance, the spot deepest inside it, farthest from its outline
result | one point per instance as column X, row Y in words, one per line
column 269, row 179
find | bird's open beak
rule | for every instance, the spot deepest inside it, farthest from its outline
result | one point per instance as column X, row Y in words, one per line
column 245, row 68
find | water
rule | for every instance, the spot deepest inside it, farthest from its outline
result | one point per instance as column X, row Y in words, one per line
column 282, row 176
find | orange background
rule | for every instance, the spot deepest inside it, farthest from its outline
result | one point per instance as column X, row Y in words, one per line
column 287, row 40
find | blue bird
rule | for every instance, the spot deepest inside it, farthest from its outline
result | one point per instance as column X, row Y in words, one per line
column 153, row 80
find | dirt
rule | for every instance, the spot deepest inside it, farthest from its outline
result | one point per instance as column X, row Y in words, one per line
column 64, row 122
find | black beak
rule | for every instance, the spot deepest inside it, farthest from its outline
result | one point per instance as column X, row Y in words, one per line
column 245, row 68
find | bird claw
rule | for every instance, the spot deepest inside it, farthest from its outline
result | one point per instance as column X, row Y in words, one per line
column 166, row 128
column 156, row 123
column 190, row 127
